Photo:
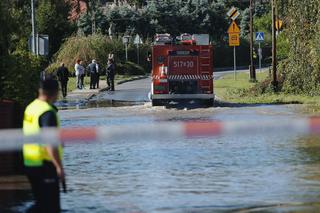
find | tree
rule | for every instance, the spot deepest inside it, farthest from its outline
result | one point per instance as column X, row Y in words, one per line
column 4, row 29
column 17, row 66
column 244, row 24
column 302, row 68
column 85, row 23
column 52, row 19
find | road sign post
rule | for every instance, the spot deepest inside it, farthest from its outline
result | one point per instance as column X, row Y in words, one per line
column 260, row 56
column 259, row 39
column 125, row 40
column 234, row 40
column 234, row 63
column 252, row 68
column 33, row 48
column 137, row 41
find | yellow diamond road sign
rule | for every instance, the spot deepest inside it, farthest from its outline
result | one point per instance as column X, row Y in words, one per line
column 234, row 34
column 233, row 28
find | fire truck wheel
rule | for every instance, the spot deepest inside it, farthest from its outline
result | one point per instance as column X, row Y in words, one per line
column 156, row 102
column 209, row 102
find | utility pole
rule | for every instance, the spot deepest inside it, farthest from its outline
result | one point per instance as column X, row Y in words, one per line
column 33, row 43
column 274, row 46
column 252, row 68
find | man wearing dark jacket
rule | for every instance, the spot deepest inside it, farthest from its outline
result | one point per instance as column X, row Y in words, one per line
column 93, row 70
column 63, row 77
column 110, row 71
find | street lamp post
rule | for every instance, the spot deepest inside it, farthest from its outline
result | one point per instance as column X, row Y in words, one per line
column 33, row 27
column 252, row 68
column 125, row 41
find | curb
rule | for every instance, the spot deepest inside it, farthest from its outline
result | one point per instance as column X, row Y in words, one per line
column 133, row 79
column 118, row 83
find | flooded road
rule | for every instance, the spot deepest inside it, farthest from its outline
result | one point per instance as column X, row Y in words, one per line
column 270, row 173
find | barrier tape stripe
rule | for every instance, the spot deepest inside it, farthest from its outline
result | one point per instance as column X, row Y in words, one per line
column 13, row 139
column 77, row 134
column 203, row 129
column 315, row 125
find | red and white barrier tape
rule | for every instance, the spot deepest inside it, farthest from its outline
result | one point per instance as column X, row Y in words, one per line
column 14, row 139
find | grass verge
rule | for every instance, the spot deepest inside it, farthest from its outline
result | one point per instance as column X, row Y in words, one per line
column 236, row 91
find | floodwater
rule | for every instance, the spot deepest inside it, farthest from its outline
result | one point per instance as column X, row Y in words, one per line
column 251, row 173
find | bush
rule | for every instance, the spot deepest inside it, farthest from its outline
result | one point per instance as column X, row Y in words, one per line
column 98, row 47
column 302, row 67
column 86, row 48
column 20, row 74
column 283, row 46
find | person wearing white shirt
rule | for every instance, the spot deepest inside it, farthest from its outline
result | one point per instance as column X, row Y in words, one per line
column 79, row 71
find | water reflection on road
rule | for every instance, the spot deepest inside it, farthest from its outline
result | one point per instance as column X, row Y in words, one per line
column 228, row 173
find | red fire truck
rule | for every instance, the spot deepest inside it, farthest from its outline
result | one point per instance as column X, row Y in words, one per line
column 182, row 69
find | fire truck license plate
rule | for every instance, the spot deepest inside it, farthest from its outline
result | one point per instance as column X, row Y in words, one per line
column 183, row 65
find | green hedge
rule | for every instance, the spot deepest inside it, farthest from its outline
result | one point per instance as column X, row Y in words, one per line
column 20, row 75
column 99, row 47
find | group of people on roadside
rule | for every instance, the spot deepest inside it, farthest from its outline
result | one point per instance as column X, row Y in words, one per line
column 93, row 70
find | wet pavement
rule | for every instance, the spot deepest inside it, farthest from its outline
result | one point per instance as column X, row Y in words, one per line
column 257, row 173
column 128, row 93
column 132, row 91
column 242, row 173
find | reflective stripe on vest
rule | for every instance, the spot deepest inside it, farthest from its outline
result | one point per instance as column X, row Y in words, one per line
column 34, row 153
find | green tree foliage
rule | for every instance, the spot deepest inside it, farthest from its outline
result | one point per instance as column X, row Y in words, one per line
column 52, row 19
column 244, row 24
column 261, row 9
column 163, row 16
column 5, row 27
column 123, row 18
column 263, row 23
column 302, row 68
column 283, row 46
column 20, row 74
column 85, row 23
column 19, row 71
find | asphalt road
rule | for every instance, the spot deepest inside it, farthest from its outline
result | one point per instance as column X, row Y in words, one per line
column 133, row 91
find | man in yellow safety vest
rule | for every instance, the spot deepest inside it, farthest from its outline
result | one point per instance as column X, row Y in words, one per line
column 43, row 163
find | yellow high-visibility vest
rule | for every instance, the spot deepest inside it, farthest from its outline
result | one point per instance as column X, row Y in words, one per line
column 35, row 153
